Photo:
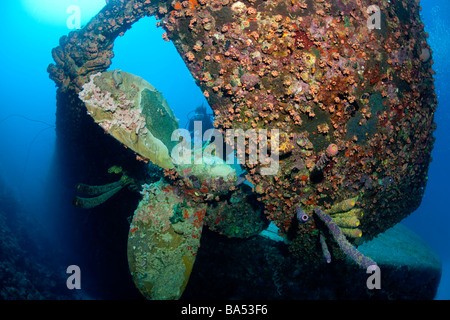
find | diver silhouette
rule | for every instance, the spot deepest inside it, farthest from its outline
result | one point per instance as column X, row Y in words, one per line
column 200, row 123
column 200, row 114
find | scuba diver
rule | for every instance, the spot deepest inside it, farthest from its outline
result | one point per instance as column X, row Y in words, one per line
column 199, row 123
column 205, row 118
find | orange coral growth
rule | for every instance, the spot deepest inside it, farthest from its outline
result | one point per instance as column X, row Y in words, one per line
column 311, row 202
column 198, row 218
column 168, row 188
column 301, row 38
column 139, row 158
column 193, row 3
column 189, row 192
column 177, row 6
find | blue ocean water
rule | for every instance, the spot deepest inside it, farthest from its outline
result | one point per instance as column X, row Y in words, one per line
column 28, row 104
